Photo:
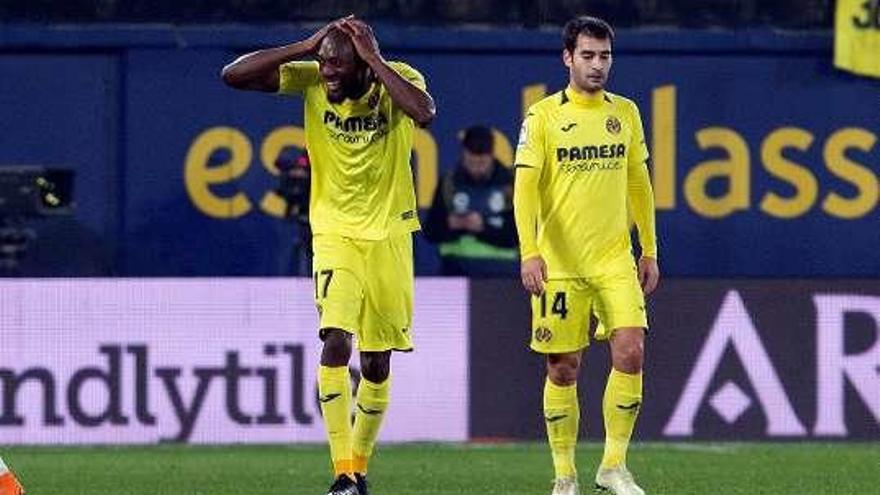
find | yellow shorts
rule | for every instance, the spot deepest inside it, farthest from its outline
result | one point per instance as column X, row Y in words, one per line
column 561, row 315
column 366, row 288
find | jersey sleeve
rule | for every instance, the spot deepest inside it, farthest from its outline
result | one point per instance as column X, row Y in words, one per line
column 638, row 147
column 526, row 206
column 639, row 191
column 528, row 164
column 295, row 77
column 410, row 74
column 530, row 146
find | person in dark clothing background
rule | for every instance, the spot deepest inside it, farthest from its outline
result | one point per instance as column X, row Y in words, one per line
column 471, row 217
column 294, row 185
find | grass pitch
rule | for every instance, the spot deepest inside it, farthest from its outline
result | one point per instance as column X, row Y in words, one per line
column 441, row 469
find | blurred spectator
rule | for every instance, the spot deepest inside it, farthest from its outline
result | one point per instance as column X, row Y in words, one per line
column 294, row 185
column 471, row 217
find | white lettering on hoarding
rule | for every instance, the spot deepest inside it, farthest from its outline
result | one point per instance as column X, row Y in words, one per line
column 733, row 327
column 205, row 361
column 835, row 367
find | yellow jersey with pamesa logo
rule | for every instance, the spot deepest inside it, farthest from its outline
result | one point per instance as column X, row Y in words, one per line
column 362, row 183
column 581, row 174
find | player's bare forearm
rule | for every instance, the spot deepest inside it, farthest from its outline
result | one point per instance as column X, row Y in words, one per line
column 258, row 70
column 414, row 101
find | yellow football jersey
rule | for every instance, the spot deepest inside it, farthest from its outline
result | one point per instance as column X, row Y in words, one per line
column 591, row 157
column 362, row 183
column 857, row 36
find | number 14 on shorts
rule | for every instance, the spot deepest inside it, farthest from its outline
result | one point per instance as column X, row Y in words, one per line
column 558, row 305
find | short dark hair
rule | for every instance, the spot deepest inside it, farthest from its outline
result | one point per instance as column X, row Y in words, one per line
column 478, row 140
column 588, row 26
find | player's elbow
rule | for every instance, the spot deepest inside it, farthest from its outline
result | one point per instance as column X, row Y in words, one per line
column 425, row 115
column 233, row 77
column 425, row 119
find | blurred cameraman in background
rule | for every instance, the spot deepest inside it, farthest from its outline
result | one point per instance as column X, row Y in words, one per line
column 295, row 176
column 471, row 217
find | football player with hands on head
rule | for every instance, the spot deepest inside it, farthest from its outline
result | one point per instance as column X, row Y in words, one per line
column 360, row 114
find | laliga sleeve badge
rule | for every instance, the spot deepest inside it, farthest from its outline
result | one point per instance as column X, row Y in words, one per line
column 523, row 135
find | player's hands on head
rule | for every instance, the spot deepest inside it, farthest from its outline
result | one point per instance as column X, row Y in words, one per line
column 315, row 39
column 649, row 274
column 534, row 273
column 362, row 37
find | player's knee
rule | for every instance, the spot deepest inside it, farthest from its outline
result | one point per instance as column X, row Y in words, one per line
column 337, row 347
column 376, row 366
column 629, row 358
column 563, row 369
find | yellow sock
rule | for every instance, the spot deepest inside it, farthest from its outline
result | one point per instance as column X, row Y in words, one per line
column 334, row 386
column 562, row 416
column 620, row 406
column 371, row 403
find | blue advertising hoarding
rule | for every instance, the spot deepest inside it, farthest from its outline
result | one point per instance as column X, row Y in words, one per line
column 765, row 159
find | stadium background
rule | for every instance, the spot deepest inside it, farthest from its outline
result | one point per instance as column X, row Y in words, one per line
column 175, row 261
